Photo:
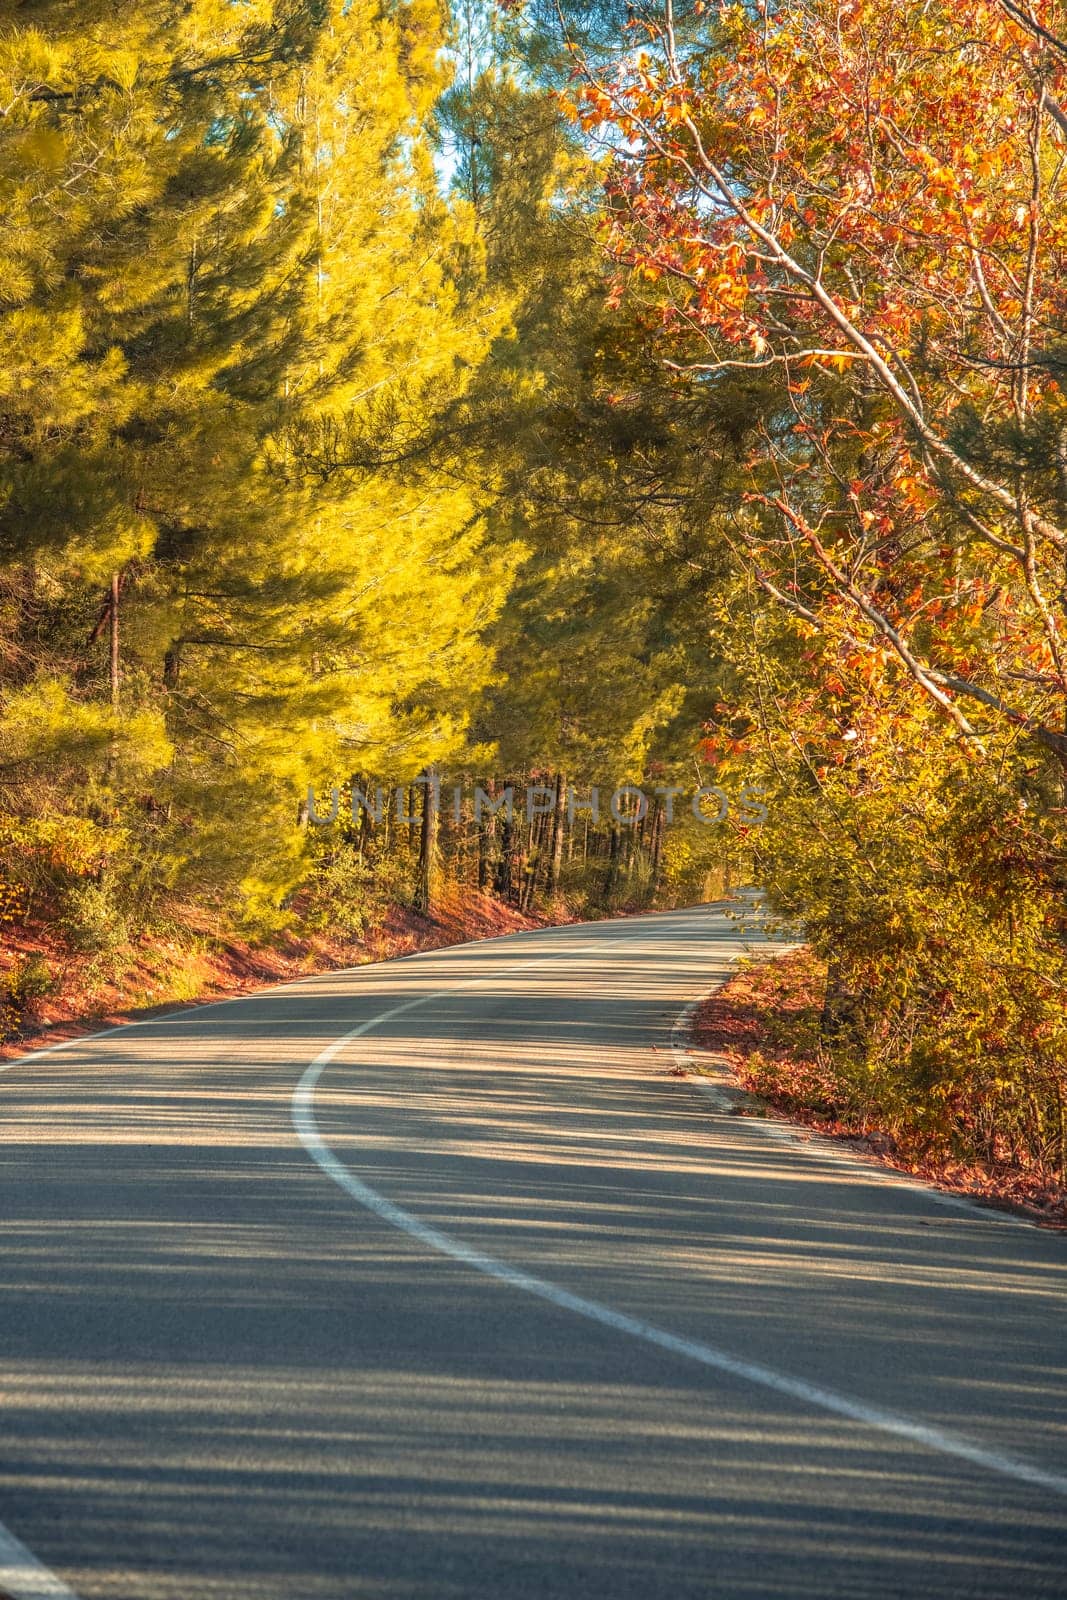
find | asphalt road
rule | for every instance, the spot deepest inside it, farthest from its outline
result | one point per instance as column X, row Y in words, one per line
column 426, row 1280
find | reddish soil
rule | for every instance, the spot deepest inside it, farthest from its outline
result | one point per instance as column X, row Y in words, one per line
column 82, row 1000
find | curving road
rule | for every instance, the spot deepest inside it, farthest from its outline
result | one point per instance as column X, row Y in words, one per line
column 426, row 1282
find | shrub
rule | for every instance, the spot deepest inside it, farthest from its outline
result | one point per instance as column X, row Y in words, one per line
column 28, row 980
column 91, row 918
column 351, row 891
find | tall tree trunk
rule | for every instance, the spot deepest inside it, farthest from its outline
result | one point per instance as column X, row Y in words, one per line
column 555, row 862
column 461, row 816
column 505, row 863
column 367, row 825
column 630, row 839
column 413, row 815
column 612, row 874
column 534, row 854
column 656, row 846
column 446, row 833
column 486, row 838
column 836, row 1003
column 113, row 622
column 427, row 864
column 114, row 667
column 529, row 859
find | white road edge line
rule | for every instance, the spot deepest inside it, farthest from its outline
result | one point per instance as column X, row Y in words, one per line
column 818, row 1146
column 191, row 1013
column 927, row 1437
column 23, row 1577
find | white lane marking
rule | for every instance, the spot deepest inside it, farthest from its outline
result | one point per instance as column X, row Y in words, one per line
column 928, row 1437
column 192, row 1013
column 23, row 1577
column 681, row 1036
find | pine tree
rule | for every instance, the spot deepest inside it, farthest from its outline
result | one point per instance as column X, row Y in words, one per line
column 245, row 298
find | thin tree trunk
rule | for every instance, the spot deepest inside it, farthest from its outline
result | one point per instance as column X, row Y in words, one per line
column 504, row 866
column 630, row 839
column 413, row 815
column 427, row 865
column 535, row 855
column 367, row 825
column 113, row 620
column 486, row 838
column 555, row 862
column 656, row 845
column 114, row 667
column 530, row 862
column 463, row 829
column 611, row 876
column 834, row 997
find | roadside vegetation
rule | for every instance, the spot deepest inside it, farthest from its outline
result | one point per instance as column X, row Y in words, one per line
column 766, row 1027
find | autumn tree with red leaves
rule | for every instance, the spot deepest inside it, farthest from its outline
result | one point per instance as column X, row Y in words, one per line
column 855, row 213
column 869, row 200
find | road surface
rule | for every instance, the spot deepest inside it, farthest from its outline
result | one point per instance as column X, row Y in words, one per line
column 427, row 1282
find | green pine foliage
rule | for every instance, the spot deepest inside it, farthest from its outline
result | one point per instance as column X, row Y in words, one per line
column 233, row 295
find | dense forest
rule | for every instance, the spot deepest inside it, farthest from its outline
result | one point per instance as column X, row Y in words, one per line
column 652, row 400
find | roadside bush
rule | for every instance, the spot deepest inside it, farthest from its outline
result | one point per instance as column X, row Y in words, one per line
column 351, row 890
column 933, row 904
column 27, row 981
column 91, row 917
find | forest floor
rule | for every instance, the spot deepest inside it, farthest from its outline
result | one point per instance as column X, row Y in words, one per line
column 762, row 1022
column 192, row 965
